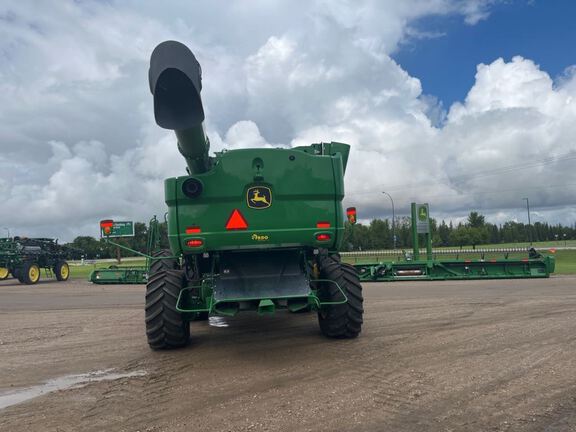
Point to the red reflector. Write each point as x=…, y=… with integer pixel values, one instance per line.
x=195, y=243
x=525, y=260
x=193, y=230
x=322, y=224
x=467, y=261
x=108, y=223
x=322, y=237
x=236, y=221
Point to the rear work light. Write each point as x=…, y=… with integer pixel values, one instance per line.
x=322, y=224
x=193, y=230
x=323, y=237
x=194, y=243
x=192, y=188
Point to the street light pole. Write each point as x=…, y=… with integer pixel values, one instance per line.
x=529, y=226
x=393, y=220
x=7, y=231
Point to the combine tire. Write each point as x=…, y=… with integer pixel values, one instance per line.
x=340, y=320
x=30, y=273
x=62, y=271
x=4, y=273
x=165, y=327
x=163, y=264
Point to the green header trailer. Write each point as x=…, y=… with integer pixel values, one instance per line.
x=115, y=274
x=249, y=230
x=24, y=258
x=474, y=264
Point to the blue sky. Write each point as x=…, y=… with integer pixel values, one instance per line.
x=543, y=31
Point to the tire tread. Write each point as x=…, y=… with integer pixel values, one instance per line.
x=166, y=328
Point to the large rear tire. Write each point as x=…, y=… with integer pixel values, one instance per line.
x=340, y=320
x=62, y=271
x=166, y=328
x=158, y=265
x=30, y=273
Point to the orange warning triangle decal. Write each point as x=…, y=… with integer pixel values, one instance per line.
x=236, y=221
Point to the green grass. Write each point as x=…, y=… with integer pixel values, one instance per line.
x=83, y=271
x=566, y=262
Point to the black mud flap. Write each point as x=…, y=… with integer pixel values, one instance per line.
x=261, y=275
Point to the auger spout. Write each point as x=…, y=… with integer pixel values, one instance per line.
x=175, y=79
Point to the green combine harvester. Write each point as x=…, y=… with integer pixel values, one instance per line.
x=249, y=230
x=24, y=258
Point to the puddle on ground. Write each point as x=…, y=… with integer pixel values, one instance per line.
x=216, y=321
x=69, y=381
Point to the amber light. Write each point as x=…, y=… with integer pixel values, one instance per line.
x=193, y=230
x=322, y=224
x=323, y=237
x=194, y=243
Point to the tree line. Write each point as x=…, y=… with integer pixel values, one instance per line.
x=90, y=248
x=475, y=231
x=376, y=235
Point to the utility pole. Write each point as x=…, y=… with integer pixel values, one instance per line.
x=8, y=231
x=529, y=225
x=393, y=220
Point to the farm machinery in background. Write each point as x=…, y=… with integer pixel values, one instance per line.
x=410, y=266
x=115, y=274
x=25, y=258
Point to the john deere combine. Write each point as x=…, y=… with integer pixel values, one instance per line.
x=249, y=230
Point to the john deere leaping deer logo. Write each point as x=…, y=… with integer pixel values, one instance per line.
x=259, y=197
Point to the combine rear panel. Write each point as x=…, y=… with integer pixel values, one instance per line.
x=268, y=198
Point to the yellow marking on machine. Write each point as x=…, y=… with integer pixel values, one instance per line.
x=259, y=197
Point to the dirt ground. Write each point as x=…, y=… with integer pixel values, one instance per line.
x=433, y=356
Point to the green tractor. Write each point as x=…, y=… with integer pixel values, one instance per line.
x=249, y=230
